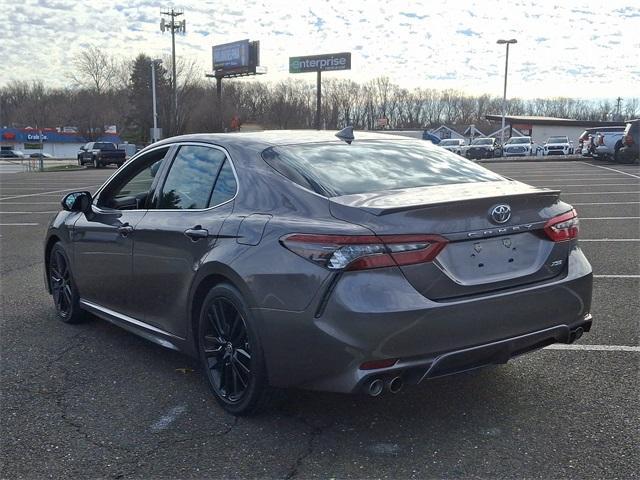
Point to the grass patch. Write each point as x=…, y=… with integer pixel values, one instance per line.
x=62, y=168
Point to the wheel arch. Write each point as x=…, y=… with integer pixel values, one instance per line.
x=208, y=276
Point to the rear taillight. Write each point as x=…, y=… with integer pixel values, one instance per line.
x=563, y=227
x=361, y=252
x=628, y=139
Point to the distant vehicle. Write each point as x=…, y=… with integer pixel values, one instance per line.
x=431, y=137
x=11, y=154
x=586, y=144
x=520, y=147
x=41, y=155
x=129, y=148
x=100, y=154
x=560, y=145
x=484, y=148
x=630, y=150
x=608, y=141
x=455, y=145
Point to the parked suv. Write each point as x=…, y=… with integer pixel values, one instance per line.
x=519, y=147
x=560, y=145
x=11, y=154
x=630, y=150
x=484, y=148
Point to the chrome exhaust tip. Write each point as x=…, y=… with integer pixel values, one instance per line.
x=375, y=387
x=395, y=384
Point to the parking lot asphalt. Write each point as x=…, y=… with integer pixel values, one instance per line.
x=93, y=401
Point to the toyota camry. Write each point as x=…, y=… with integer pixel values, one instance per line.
x=349, y=262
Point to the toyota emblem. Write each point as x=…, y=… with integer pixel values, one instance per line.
x=500, y=213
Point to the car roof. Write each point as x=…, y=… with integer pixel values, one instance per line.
x=268, y=138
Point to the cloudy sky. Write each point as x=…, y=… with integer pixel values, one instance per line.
x=565, y=47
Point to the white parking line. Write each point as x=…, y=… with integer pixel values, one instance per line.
x=30, y=203
x=18, y=224
x=609, y=218
x=163, y=422
x=591, y=193
x=25, y=213
x=612, y=169
x=616, y=276
x=592, y=348
x=592, y=185
x=50, y=192
x=607, y=203
x=609, y=240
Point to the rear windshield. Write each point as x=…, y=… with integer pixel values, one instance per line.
x=104, y=146
x=557, y=140
x=446, y=143
x=483, y=141
x=512, y=141
x=334, y=169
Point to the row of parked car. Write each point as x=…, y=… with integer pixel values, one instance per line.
x=620, y=144
x=21, y=154
x=489, y=147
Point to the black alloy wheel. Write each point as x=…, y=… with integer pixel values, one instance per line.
x=65, y=296
x=230, y=352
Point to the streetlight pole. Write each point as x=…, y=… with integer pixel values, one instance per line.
x=504, y=95
x=154, y=137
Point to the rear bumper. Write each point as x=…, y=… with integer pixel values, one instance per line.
x=379, y=315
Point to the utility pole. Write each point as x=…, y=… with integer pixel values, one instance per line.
x=174, y=26
x=504, y=95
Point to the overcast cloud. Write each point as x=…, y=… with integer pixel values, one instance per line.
x=565, y=48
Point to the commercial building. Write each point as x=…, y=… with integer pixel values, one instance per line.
x=541, y=128
x=56, y=142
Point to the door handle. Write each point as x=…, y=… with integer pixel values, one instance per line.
x=196, y=233
x=125, y=230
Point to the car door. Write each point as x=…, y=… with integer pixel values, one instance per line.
x=175, y=235
x=102, y=240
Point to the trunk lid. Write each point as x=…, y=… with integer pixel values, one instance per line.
x=482, y=255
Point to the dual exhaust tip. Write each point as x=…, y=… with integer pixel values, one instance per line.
x=377, y=385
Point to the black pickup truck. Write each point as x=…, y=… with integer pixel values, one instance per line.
x=100, y=154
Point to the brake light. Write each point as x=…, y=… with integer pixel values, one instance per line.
x=376, y=364
x=563, y=227
x=628, y=139
x=362, y=252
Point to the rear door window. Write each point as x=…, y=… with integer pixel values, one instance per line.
x=337, y=168
x=191, y=178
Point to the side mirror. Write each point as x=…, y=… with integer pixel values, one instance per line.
x=77, y=202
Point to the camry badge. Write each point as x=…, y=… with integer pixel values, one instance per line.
x=500, y=213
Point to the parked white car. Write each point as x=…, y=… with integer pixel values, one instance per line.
x=560, y=145
x=455, y=145
x=520, y=147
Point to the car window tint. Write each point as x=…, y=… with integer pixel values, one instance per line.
x=135, y=181
x=334, y=169
x=191, y=178
x=225, y=187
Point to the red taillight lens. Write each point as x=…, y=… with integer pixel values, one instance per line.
x=361, y=252
x=563, y=227
x=628, y=139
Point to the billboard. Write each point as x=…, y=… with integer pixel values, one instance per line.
x=231, y=56
x=320, y=63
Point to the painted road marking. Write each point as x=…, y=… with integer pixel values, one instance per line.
x=25, y=213
x=608, y=218
x=592, y=348
x=607, y=203
x=50, y=192
x=609, y=240
x=616, y=276
x=588, y=193
x=612, y=169
x=592, y=185
x=166, y=420
x=18, y=224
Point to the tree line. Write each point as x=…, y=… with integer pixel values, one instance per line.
x=104, y=90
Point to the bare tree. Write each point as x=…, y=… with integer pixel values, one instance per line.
x=94, y=69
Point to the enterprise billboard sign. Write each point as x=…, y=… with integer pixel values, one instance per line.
x=320, y=63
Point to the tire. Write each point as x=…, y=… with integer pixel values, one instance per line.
x=96, y=163
x=230, y=353
x=63, y=289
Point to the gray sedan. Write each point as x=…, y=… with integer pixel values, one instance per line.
x=348, y=263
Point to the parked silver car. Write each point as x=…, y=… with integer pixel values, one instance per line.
x=298, y=259
x=455, y=145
